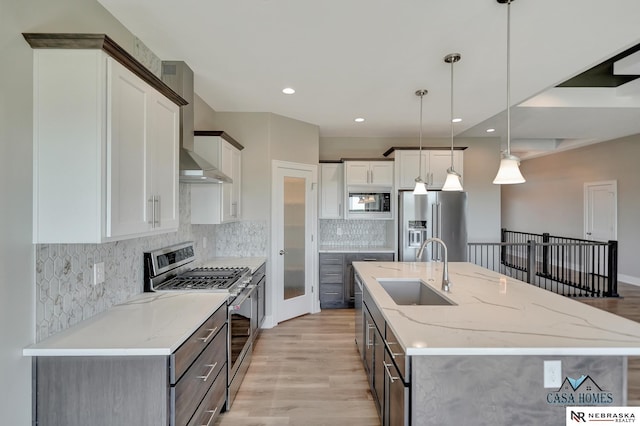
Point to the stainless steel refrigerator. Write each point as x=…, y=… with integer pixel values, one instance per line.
x=440, y=214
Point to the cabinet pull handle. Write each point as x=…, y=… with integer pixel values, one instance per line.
x=331, y=292
x=153, y=211
x=386, y=367
x=388, y=345
x=213, y=414
x=156, y=214
x=211, y=368
x=369, y=259
x=206, y=339
x=369, y=327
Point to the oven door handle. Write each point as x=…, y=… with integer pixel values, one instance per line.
x=249, y=290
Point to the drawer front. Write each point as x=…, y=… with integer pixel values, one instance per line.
x=195, y=383
x=331, y=293
x=376, y=315
x=396, y=353
x=370, y=257
x=331, y=274
x=195, y=344
x=213, y=402
x=331, y=259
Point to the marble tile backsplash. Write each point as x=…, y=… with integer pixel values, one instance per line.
x=64, y=272
x=350, y=233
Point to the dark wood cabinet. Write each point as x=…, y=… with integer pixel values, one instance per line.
x=184, y=388
x=337, y=283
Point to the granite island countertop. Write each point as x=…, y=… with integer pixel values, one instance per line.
x=494, y=318
x=147, y=324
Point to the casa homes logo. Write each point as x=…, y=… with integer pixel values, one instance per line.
x=580, y=415
x=581, y=391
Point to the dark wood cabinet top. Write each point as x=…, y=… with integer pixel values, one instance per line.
x=105, y=43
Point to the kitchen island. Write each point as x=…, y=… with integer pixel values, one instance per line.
x=481, y=358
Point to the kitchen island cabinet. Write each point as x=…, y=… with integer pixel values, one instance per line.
x=105, y=143
x=481, y=359
x=158, y=359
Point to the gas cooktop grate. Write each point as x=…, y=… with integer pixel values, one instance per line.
x=204, y=279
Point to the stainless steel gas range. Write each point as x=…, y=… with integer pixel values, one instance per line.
x=170, y=269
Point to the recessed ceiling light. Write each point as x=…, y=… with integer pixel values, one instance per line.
x=359, y=120
x=491, y=130
x=456, y=120
x=288, y=91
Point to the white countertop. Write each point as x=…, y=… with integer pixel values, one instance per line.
x=354, y=249
x=493, y=319
x=148, y=324
x=232, y=262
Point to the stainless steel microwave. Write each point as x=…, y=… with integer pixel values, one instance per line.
x=367, y=202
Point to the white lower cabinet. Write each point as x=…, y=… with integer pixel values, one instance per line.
x=218, y=203
x=105, y=151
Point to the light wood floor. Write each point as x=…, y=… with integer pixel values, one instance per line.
x=306, y=371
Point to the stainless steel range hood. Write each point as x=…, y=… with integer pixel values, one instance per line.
x=193, y=168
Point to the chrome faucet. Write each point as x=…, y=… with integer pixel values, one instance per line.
x=446, y=284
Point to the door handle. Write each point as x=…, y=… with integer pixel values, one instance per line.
x=281, y=252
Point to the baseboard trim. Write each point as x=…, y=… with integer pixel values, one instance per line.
x=628, y=279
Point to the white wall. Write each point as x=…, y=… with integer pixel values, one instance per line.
x=552, y=198
x=481, y=161
x=17, y=294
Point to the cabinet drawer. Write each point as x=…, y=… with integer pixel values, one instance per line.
x=195, y=383
x=331, y=259
x=396, y=353
x=195, y=344
x=331, y=293
x=331, y=274
x=213, y=402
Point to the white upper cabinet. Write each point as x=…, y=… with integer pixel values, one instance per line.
x=218, y=203
x=434, y=167
x=331, y=191
x=105, y=151
x=369, y=173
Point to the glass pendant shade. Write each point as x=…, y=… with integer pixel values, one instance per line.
x=509, y=171
x=453, y=181
x=420, y=188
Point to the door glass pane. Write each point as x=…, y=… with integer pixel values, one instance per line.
x=294, y=235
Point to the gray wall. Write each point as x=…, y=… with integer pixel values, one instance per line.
x=552, y=198
x=481, y=161
x=17, y=289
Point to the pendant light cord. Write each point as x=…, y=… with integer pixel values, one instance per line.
x=508, y=77
x=452, y=62
x=420, y=150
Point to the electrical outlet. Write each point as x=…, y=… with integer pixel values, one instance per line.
x=552, y=374
x=98, y=273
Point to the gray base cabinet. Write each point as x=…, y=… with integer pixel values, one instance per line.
x=387, y=367
x=188, y=387
x=337, y=283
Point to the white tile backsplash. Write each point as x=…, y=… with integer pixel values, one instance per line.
x=355, y=233
x=65, y=294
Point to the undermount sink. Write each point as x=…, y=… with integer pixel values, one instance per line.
x=412, y=292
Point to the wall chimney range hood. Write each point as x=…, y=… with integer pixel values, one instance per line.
x=193, y=168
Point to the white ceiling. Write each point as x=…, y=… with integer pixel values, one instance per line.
x=366, y=58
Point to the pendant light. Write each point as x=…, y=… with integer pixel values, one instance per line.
x=421, y=187
x=452, y=183
x=509, y=171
